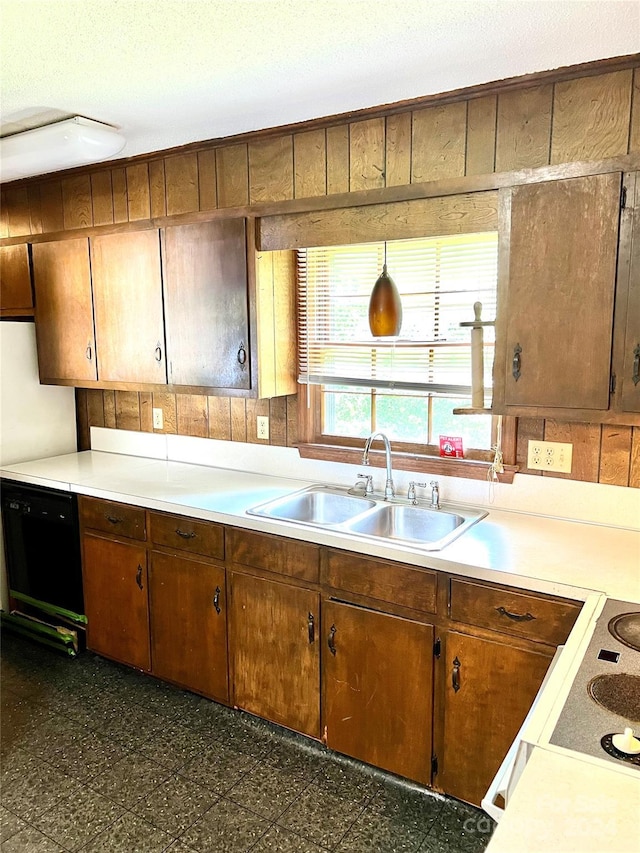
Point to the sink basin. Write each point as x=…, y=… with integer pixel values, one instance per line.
x=398, y=521
x=316, y=506
x=365, y=517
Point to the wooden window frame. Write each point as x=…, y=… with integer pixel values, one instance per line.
x=419, y=458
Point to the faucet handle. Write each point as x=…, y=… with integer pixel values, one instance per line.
x=368, y=489
x=411, y=491
x=435, y=494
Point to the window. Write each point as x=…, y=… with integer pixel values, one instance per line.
x=406, y=387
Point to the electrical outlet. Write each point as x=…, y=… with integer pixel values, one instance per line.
x=550, y=456
x=263, y=427
x=157, y=419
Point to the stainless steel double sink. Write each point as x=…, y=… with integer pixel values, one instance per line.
x=366, y=516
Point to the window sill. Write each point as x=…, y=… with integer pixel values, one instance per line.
x=472, y=469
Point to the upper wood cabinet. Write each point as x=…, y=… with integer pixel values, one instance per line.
x=16, y=297
x=206, y=304
x=557, y=298
x=64, y=311
x=626, y=355
x=127, y=295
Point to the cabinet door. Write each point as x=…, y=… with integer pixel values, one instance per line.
x=64, y=311
x=275, y=652
x=127, y=292
x=628, y=373
x=489, y=689
x=16, y=298
x=377, y=678
x=189, y=624
x=114, y=576
x=207, y=321
x=557, y=304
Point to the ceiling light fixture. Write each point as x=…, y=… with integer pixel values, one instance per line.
x=385, y=307
x=64, y=144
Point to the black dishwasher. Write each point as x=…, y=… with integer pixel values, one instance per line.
x=44, y=570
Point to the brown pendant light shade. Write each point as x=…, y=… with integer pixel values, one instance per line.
x=385, y=308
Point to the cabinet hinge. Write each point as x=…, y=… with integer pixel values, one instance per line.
x=437, y=648
x=612, y=384
x=623, y=198
x=434, y=765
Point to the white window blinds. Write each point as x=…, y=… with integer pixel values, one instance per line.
x=439, y=280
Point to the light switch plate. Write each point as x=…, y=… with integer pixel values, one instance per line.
x=158, y=421
x=263, y=427
x=550, y=456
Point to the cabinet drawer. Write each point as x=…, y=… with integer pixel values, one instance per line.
x=392, y=582
x=112, y=517
x=517, y=613
x=273, y=553
x=198, y=537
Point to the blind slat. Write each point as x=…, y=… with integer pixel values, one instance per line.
x=439, y=280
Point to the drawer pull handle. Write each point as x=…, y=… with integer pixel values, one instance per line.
x=311, y=627
x=331, y=642
x=455, y=675
x=158, y=353
x=517, y=617
x=636, y=365
x=184, y=534
x=89, y=352
x=113, y=519
x=516, y=364
x=139, y=576
x=242, y=355
x=216, y=600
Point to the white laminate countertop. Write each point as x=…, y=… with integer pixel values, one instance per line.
x=562, y=802
x=534, y=552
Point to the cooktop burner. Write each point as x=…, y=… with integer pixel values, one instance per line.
x=604, y=698
x=626, y=628
x=619, y=692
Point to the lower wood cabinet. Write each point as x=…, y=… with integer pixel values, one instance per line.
x=187, y=602
x=379, y=675
x=115, y=596
x=489, y=688
x=275, y=655
x=377, y=685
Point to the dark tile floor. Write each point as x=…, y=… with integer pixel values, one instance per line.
x=99, y=758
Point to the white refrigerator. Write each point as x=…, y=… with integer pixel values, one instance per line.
x=36, y=420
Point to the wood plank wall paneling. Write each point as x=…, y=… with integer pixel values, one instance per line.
x=481, y=135
x=439, y=142
x=524, y=128
x=634, y=132
x=398, y=150
x=232, y=172
x=367, y=154
x=310, y=164
x=589, y=117
x=138, y=197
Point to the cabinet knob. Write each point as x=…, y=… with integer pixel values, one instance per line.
x=242, y=355
x=139, y=576
x=516, y=364
x=89, y=352
x=216, y=600
x=185, y=534
x=158, y=353
x=636, y=365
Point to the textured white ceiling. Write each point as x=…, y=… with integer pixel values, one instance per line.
x=169, y=72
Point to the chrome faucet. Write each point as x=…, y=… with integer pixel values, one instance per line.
x=389, y=491
x=435, y=494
